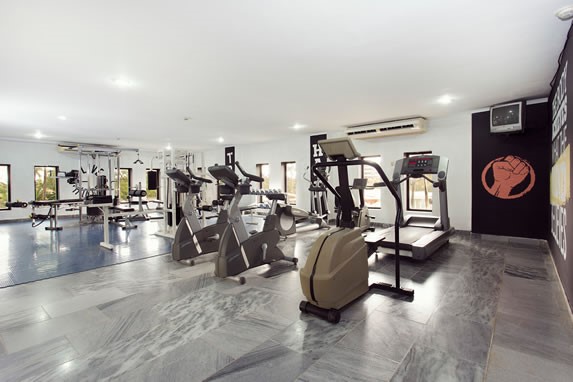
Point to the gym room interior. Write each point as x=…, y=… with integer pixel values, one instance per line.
x=285, y=190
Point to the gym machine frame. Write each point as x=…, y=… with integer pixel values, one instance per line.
x=344, y=220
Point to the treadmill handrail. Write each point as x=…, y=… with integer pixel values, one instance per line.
x=251, y=177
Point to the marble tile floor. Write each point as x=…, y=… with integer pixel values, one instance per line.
x=483, y=310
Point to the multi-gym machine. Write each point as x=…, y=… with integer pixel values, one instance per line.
x=239, y=251
x=336, y=270
x=191, y=238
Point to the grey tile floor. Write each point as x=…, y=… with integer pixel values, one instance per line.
x=483, y=310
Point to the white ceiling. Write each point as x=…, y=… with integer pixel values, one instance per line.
x=247, y=70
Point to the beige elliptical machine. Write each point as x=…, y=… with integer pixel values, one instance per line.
x=336, y=271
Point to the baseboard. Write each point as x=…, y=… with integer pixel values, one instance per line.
x=513, y=240
x=560, y=282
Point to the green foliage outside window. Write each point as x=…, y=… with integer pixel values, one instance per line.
x=45, y=183
x=290, y=178
x=4, y=185
x=124, y=184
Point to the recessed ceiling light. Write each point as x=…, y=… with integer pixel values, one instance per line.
x=220, y=140
x=565, y=13
x=298, y=126
x=38, y=135
x=62, y=117
x=122, y=82
x=445, y=99
x=168, y=147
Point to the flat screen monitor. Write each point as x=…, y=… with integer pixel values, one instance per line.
x=507, y=118
x=339, y=147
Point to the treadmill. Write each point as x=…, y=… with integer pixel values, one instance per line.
x=421, y=235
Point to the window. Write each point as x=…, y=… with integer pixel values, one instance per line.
x=264, y=171
x=46, y=183
x=372, y=196
x=289, y=181
x=124, y=183
x=153, y=194
x=4, y=186
x=419, y=190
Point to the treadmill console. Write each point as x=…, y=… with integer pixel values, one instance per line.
x=426, y=164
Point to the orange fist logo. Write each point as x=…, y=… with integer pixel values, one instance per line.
x=512, y=176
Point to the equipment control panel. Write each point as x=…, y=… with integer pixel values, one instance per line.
x=427, y=164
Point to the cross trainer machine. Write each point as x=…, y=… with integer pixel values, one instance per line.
x=422, y=235
x=318, y=199
x=191, y=239
x=239, y=251
x=360, y=213
x=336, y=271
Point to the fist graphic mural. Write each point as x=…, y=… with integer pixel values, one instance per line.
x=512, y=176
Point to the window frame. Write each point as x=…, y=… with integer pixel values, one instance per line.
x=409, y=154
x=57, y=169
x=129, y=178
x=362, y=176
x=284, y=166
x=9, y=196
x=259, y=167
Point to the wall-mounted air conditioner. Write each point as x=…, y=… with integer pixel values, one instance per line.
x=373, y=130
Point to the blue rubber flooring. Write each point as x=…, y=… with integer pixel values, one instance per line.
x=29, y=254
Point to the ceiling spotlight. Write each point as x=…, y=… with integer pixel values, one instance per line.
x=445, y=99
x=168, y=147
x=298, y=126
x=38, y=135
x=122, y=82
x=62, y=117
x=565, y=13
x=220, y=140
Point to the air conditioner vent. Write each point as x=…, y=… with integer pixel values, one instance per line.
x=373, y=130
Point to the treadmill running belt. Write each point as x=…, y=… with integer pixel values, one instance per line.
x=408, y=235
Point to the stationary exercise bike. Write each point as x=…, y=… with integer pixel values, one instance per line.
x=192, y=239
x=239, y=251
x=336, y=271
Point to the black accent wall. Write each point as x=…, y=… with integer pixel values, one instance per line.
x=515, y=170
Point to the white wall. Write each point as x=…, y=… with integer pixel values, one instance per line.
x=23, y=156
x=449, y=136
x=274, y=153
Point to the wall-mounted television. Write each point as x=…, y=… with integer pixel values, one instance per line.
x=507, y=118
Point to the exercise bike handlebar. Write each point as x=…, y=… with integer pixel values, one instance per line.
x=251, y=177
x=200, y=179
